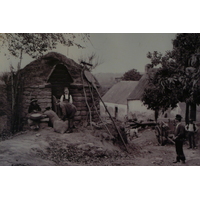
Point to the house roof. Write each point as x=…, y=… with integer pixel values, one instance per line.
x=143, y=83
x=40, y=69
x=119, y=92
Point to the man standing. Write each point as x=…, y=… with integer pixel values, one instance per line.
x=179, y=139
x=191, y=128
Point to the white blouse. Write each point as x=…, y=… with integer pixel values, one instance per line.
x=66, y=97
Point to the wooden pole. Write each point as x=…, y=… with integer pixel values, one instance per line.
x=111, y=117
x=90, y=78
x=97, y=111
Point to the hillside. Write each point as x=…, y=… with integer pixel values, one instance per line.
x=107, y=80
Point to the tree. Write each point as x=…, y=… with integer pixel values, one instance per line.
x=178, y=78
x=35, y=44
x=131, y=75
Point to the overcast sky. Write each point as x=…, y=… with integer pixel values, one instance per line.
x=118, y=52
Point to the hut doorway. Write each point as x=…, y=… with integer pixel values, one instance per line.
x=59, y=79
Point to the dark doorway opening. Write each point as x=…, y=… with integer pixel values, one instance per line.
x=59, y=79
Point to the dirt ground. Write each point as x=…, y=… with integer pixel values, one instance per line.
x=85, y=147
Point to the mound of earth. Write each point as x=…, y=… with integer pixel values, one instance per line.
x=87, y=147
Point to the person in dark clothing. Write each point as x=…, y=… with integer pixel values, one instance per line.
x=179, y=139
x=68, y=109
x=33, y=109
x=191, y=129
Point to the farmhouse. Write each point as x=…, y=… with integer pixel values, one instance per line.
x=45, y=80
x=136, y=106
x=116, y=99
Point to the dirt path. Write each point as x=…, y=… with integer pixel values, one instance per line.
x=83, y=147
x=151, y=154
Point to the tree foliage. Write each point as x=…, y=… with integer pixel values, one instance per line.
x=132, y=75
x=35, y=44
x=185, y=45
x=178, y=78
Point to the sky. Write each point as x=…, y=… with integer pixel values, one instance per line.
x=116, y=52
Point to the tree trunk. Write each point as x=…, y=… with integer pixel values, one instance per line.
x=20, y=60
x=156, y=113
x=193, y=111
x=187, y=113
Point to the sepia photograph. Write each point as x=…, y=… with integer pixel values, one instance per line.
x=99, y=99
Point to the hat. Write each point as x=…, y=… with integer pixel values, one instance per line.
x=33, y=100
x=178, y=117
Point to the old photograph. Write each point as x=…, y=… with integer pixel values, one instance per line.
x=99, y=99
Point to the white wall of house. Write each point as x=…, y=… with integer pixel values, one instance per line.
x=137, y=109
x=170, y=114
x=116, y=110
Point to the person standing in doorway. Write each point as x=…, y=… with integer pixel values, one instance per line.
x=68, y=109
x=191, y=129
x=66, y=96
x=179, y=138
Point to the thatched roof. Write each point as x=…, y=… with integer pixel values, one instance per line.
x=38, y=71
x=142, y=84
x=119, y=92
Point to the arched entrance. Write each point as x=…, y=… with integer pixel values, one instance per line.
x=59, y=79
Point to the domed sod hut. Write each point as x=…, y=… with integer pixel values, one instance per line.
x=46, y=78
